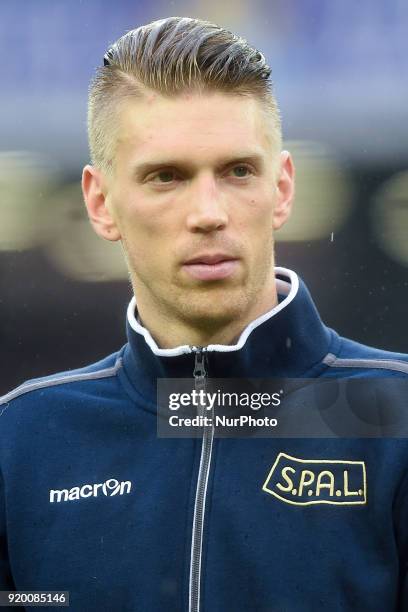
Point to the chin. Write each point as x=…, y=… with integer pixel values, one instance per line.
x=215, y=311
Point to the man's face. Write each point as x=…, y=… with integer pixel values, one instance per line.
x=193, y=197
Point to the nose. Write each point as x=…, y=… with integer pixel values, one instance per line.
x=207, y=211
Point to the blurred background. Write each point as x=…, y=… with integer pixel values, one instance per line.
x=340, y=70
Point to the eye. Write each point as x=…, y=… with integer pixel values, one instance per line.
x=164, y=176
x=241, y=171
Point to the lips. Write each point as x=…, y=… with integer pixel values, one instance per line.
x=208, y=267
x=209, y=259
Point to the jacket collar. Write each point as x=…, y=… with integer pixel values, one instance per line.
x=287, y=341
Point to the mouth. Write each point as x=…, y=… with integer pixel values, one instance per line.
x=211, y=266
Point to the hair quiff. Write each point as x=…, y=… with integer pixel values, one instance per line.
x=171, y=56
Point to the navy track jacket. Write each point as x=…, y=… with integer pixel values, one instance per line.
x=94, y=503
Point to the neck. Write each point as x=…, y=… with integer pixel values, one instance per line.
x=170, y=332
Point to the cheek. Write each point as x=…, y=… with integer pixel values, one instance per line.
x=148, y=240
x=137, y=220
x=257, y=215
x=260, y=223
x=262, y=200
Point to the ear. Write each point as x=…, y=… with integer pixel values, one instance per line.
x=94, y=189
x=285, y=190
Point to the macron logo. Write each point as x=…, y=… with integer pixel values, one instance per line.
x=109, y=488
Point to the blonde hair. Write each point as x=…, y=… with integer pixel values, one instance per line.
x=171, y=56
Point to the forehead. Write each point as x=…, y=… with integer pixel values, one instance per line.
x=192, y=125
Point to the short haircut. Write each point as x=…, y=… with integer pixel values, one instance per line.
x=171, y=56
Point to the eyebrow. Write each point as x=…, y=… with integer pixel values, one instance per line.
x=139, y=171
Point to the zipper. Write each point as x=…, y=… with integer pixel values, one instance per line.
x=200, y=376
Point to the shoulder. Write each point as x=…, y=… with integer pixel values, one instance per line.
x=65, y=382
x=359, y=359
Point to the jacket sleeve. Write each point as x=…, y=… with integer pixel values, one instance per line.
x=6, y=580
x=401, y=531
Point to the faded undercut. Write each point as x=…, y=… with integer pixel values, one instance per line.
x=172, y=56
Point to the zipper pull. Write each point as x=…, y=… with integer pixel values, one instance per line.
x=199, y=367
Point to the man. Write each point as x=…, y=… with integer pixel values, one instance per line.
x=188, y=173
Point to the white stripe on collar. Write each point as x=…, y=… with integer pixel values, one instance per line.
x=288, y=288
